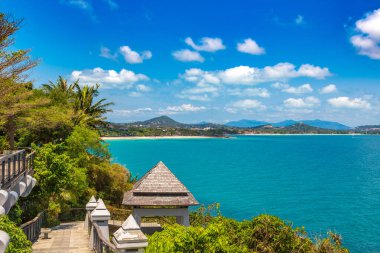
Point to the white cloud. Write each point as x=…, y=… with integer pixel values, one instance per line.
x=106, y=53
x=331, y=88
x=353, y=103
x=299, y=20
x=181, y=109
x=134, y=57
x=245, y=105
x=143, y=88
x=367, y=39
x=108, y=79
x=249, y=92
x=208, y=84
x=250, y=46
x=308, y=102
x=187, y=55
x=252, y=75
x=206, y=44
x=313, y=71
x=305, y=88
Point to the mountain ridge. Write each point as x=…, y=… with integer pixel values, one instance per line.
x=314, y=123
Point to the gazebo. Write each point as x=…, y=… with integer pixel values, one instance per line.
x=160, y=193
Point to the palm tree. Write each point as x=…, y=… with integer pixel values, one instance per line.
x=61, y=92
x=88, y=111
x=61, y=85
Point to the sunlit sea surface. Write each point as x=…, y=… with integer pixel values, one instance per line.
x=320, y=182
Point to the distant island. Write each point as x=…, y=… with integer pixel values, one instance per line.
x=166, y=126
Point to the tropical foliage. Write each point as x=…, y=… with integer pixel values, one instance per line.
x=264, y=234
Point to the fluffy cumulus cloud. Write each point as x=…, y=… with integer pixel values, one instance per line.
x=184, y=108
x=134, y=57
x=206, y=44
x=245, y=105
x=250, y=46
x=367, y=38
x=245, y=75
x=249, y=92
x=302, y=89
x=352, y=103
x=308, y=102
x=208, y=84
x=108, y=79
x=331, y=88
x=186, y=55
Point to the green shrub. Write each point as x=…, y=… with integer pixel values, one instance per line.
x=18, y=241
x=264, y=234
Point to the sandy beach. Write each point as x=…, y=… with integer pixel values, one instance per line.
x=154, y=137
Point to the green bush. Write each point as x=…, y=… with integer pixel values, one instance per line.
x=18, y=241
x=264, y=234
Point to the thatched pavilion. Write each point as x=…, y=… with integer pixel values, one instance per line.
x=160, y=193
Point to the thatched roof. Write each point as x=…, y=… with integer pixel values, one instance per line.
x=159, y=187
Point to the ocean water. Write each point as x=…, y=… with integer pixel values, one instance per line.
x=320, y=182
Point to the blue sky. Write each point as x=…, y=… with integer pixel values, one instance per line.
x=212, y=60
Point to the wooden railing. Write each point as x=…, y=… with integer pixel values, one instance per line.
x=32, y=228
x=13, y=165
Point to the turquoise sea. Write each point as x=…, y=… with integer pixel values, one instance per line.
x=320, y=182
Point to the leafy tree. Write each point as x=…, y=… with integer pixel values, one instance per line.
x=85, y=145
x=60, y=181
x=16, y=105
x=110, y=181
x=13, y=64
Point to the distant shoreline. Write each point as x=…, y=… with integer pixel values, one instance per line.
x=297, y=134
x=106, y=138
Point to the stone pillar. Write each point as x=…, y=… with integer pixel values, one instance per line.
x=129, y=238
x=136, y=216
x=90, y=206
x=186, y=221
x=20, y=188
x=4, y=241
x=30, y=183
x=100, y=215
x=12, y=199
x=3, y=197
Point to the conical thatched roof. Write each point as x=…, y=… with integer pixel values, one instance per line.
x=159, y=187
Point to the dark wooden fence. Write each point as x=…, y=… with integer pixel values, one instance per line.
x=15, y=164
x=32, y=228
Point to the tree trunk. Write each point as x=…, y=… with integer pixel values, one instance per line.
x=10, y=128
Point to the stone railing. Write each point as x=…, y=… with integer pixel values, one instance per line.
x=128, y=238
x=16, y=170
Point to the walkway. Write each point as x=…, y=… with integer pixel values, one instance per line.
x=66, y=238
